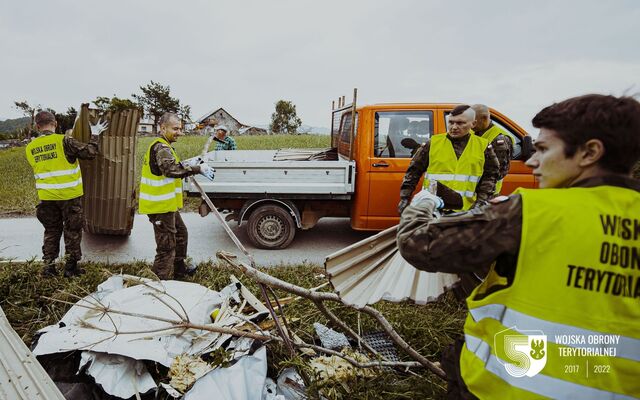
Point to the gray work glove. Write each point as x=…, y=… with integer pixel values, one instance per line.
x=404, y=202
x=207, y=171
x=424, y=195
x=98, y=128
x=192, y=162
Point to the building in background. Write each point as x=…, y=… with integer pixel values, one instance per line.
x=222, y=117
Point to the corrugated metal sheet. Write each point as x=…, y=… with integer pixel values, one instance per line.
x=109, y=180
x=21, y=375
x=373, y=270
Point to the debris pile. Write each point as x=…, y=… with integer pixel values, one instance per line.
x=137, y=337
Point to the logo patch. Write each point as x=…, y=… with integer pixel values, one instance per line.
x=521, y=354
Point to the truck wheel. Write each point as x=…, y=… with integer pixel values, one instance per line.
x=271, y=227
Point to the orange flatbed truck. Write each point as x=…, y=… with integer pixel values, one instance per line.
x=277, y=192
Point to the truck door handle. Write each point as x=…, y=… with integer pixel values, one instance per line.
x=380, y=164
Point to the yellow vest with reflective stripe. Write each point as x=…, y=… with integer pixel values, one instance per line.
x=158, y=193
x=460, y=174
x=56, y=178
x=577, y=281
x=491, y=134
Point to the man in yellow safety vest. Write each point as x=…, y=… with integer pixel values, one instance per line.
x=497, y=137
x=458, y=159
x=161, y=198
x=54, y=159
x=558, y=315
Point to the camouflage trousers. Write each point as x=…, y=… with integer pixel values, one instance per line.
x=61, y=217
x=171, y=244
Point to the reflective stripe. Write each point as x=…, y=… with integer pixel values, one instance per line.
x=452, y=177
x=466, y=193
x=160, y=197
x=178, y=190
x=57, y=173
x=625, y=348
x=539, y=384
x=157, y=182
x=59, y=185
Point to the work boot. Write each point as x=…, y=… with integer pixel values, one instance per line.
x=49, y=269
x=71, y=269
x=182, y=269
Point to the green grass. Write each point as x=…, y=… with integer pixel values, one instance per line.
x=17, y=186
x=427, y=328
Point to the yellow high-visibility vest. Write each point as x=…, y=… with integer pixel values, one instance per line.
x=569, y=324
x=158, y=193
x=56, y=178
x=491, y=134
x=460, y=174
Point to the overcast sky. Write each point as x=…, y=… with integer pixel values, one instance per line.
x=516, y=56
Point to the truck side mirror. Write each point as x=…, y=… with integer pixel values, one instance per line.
x=527, y=148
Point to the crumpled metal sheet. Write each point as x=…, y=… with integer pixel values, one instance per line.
x=373, y=269
x=118, y=375
x=84, y=328
x=21, y=375
x=244, y=380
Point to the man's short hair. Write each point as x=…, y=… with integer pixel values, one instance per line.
x=45, y=118
x=615, y=121
x=166, y=117
x=459, y=109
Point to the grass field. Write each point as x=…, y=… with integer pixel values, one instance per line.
x=427, y=328
x=17, y=187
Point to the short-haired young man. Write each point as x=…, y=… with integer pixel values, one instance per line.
x=54, y=159
x=567, y=264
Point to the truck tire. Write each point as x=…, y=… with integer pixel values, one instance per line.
x=271, y=227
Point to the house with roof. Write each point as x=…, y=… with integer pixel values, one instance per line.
x=222, y=117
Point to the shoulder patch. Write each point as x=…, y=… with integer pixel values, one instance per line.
x=499, y=199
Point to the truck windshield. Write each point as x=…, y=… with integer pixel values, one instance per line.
x=393, y=127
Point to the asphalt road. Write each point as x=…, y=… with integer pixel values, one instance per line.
x=21, y=239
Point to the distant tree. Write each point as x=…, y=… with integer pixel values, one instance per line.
x=65, y=120
x=285, y=119
x=156, y=100
x=115, y=104
x=185, y=113
x=28, y=111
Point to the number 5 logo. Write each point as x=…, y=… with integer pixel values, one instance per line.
x=522, y=354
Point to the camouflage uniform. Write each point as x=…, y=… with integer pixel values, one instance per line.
x=468, y=243
x=420, y=163
x=65, y=217
x=636, y=170
x=170, y=231
x=504, y=150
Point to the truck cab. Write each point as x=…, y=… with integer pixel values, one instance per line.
x=382, y=155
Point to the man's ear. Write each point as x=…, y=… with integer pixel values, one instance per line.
x=592, y=152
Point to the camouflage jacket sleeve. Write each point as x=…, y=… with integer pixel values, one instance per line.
x=415, y=172
x=75, y=149
x=168, y=166
x=504, y=150
x=487, y=184
x=636, y=170
x=460, y=242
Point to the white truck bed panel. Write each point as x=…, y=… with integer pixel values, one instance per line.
x=254, y=171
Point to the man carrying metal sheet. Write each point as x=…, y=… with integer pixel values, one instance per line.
x=161, y=198
x=54, y=159
x=566, y=264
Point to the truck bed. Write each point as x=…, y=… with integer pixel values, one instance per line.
x=254, y=172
